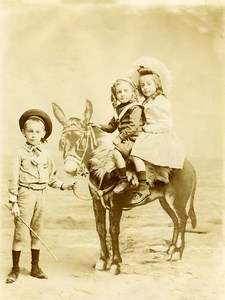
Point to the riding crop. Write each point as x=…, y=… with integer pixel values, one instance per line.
x=37, y=236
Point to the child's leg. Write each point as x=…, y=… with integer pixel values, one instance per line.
x=139, y=164
x=141, y=173
x=37, y=224
x=142, y=190
x=17, y=245
x=16, y=251
x=143, y=185
x=35, y=252
x=120, y=162
x=121, y=165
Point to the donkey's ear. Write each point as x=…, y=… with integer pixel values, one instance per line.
x=59, y=114
x=88, y=112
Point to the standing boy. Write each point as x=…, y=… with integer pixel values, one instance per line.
x=32, y=170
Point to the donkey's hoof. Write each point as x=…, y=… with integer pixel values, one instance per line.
x=171, y=249
x=114, y=269
x=101, y=265
x=175, y=253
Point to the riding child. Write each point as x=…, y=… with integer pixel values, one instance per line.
x=32, y=170
x=128, y=119
x=158, y=143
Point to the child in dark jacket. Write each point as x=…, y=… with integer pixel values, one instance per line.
x=128, y=119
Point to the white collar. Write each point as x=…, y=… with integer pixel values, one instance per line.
x=30, y=148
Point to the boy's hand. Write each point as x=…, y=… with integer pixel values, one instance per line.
x=15, y=210
x=66, y=186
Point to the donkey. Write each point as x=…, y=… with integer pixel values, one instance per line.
x=81, y=141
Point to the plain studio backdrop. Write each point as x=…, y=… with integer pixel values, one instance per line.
x=70, y=51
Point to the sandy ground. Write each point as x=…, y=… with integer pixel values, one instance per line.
x=146, y=272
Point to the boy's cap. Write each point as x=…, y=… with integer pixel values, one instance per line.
x=40, y=114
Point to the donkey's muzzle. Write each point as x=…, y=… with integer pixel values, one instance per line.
x=71, y=165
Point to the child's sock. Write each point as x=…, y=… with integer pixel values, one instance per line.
x=35, y=258
x=122, y=173
x=35, y=270
x=15, y=259
x=142, y=179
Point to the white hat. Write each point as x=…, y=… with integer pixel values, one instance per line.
x=156, y=66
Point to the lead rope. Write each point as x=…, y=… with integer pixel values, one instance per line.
x=93, y=142
x=100, y=193
x=97, y=190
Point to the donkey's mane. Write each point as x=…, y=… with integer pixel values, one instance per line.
x=102, y=162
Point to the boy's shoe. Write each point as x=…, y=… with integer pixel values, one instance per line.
x=121, y=186
x=139, y=195
x=13, y=275
x=38, y=273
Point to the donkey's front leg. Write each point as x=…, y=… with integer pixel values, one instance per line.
x=100, y=214
x=115, y=214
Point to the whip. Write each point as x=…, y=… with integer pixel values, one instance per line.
x=37, y=236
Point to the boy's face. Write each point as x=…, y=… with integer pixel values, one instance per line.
x=124, y=92
x=34, y=131
x=147, y=85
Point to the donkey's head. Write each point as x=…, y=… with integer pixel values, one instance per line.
x=77, y=135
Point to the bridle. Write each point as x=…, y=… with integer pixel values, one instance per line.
x=87, y=133
x=92, y=142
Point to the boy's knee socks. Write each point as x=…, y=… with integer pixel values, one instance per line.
x=15, y=258
x=34, y=257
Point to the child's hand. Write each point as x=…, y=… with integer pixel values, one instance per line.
x=15, y=210
x=116, y=140
x=144, y=128
x=103, y=127
x=66, y=186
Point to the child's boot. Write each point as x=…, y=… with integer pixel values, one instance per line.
x=123, y=182
x=35, y=269
x=13, y=275
x=142, y=190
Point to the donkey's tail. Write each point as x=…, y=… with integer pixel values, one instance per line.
x=191, y=211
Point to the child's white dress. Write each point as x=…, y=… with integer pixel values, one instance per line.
x=159, y=144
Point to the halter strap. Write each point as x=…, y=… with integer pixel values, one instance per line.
x=101, y=192
x=90, y=136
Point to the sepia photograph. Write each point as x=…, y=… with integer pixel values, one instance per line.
x=112, y=149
